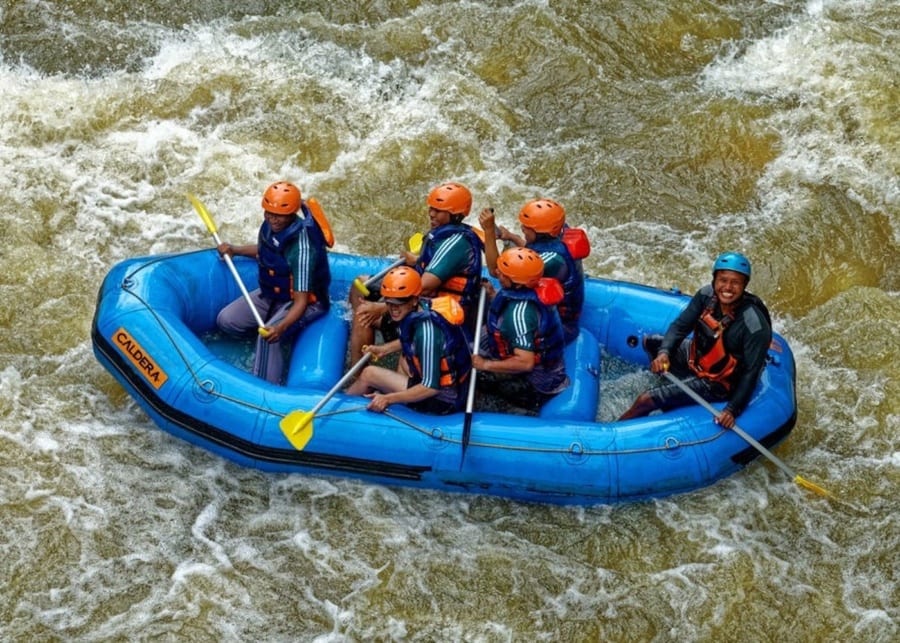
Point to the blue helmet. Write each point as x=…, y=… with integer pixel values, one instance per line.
x=732, y=261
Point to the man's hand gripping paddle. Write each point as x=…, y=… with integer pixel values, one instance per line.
x=211, y=226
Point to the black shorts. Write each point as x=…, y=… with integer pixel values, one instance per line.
x=374, y=292
x=668, y=395
x=432, y=405
x=390, y=330
x=513, y=389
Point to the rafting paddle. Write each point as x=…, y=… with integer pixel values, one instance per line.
x=297, y=425
x=414, y=244
x=211, y=226
x=749, y=438
x=470, y=400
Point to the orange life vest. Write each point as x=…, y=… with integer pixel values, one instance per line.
x=715, y=364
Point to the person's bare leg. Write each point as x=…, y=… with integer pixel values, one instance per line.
x=355, y=297
x=360, y=385
x=642, y=406
x=366, y=317
x=361, y=335
x=377, y=378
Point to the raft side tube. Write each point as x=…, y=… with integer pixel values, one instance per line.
x=620, y=313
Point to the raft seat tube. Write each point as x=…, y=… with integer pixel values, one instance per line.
x=580, y=399
x=317, y=359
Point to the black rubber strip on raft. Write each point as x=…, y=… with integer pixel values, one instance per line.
x=209, y=433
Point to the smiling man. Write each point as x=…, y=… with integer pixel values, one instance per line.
x=449, y=263
x=723, y=359
x=435, y=361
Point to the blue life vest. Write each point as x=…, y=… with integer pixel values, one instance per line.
x=573, y=285
x=456, y=360
x=467, y=285
x=275, y=276
x=549, y=343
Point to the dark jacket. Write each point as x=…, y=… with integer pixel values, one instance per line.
x=747, y=338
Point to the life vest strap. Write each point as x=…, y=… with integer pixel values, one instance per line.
x=716, y=365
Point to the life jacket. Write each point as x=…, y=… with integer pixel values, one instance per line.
x=275, y=277
x=708, y=358
x=573, y=285
x=319, y=215
x=549, y=342
x=466, y=285
x=577, y=242
x=456, y=357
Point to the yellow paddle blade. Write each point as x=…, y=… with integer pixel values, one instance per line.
x=361, y=287
x=415, y=242
x=297, y=428
x=203, y=212
x=806, y=484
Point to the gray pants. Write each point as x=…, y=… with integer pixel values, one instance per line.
x=237, y=319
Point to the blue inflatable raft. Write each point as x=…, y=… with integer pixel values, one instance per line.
x=153, y=330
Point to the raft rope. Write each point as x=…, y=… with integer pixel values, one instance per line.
x=205, y=385
x=575, y=448
x=435, y=433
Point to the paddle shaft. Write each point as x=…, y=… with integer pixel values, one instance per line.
x=374, y=278
x=211, y=226
x=340, y=384
x=746, y=436
x=414, y=243
x=240, y=283
x=470, y=399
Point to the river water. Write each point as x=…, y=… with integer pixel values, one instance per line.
x=670, y=130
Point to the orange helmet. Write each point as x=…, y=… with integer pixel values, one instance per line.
x=543, y=215
x=401, y=283
x=281, y=198
x=522, y=266
x=454, y=198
